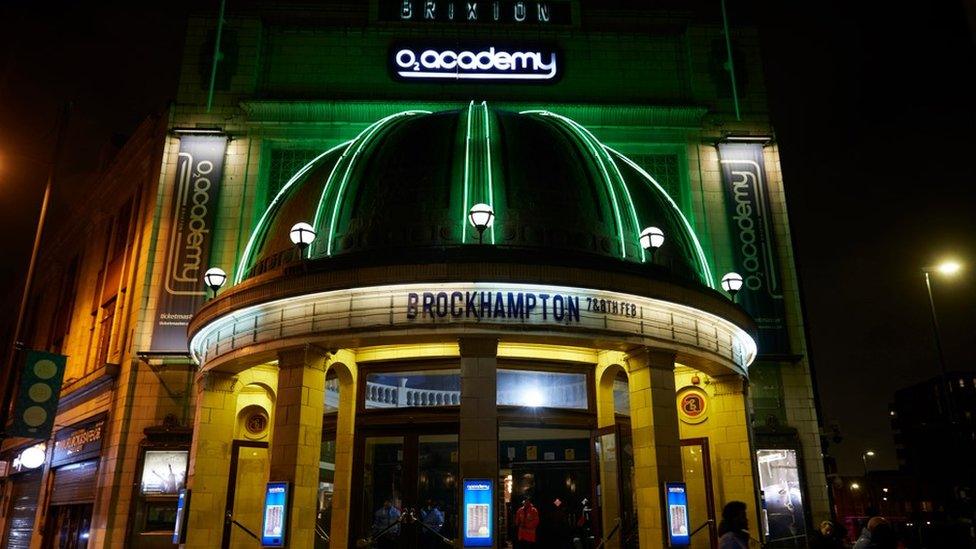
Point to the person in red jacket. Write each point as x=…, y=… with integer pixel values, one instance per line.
x=526, y=521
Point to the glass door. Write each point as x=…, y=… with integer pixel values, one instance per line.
x=409, y=490
x=614, y=477
x=245, y=493
x=697, y=474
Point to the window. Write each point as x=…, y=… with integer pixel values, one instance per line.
x=331, y=393
x=284, y=164
x=536, y=389
x=424, y=388
x=121, y=237
x=66, y=305
x=105, y=333
x=621, y=396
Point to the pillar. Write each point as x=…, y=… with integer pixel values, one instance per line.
x=657, y=445
x=210, y=455
x=478, y=437
x=344, y=363
x=732, y=454
x=297, y=437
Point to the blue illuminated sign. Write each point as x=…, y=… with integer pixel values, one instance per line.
x=676, y=496
x=479, y=498
x=275, y=524
x=182, y=510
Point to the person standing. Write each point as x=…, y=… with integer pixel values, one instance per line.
x=734, y=529
x=386, y=525
x=526, y=523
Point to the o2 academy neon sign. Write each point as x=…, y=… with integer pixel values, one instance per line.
x=540, y=64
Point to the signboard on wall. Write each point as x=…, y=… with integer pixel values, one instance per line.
x=275, y=525
x=199, y=170
x=486, y=12
x=676, y=496
x=482, y=62
x=753, y=241
x=478, y=500
x=78, y=442
x=37, y=399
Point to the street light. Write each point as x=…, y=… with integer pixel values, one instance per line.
x=946, y=268
x=214, y=278
x=481, y=217
x=302, y=234
x=732, y=283
x=864, y=460
x=651, y=239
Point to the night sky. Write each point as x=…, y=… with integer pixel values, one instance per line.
x=875, y=118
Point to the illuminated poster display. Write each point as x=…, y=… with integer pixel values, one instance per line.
x=779, y=480
x=676, y=495
x=275, y=523
x=164, y=472
x=479, y=497
x=182, y=511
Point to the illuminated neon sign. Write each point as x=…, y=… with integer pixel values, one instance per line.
x=540, y=64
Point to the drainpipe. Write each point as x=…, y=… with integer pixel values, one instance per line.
x=217, y=55
x=729, y=65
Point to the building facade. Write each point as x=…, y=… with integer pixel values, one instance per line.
x=406, y=360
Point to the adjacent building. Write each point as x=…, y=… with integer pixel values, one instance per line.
x=479, y=309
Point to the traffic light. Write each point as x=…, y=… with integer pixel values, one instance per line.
x=37, y=399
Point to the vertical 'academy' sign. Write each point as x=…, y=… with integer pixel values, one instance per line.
x=753, y=242
x=199, y=170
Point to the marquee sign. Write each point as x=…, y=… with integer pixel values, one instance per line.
x=505, y=12
x=411, y=62
x=466, y=305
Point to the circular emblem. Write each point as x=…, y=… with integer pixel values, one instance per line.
x=256, y=423
x=692, y=405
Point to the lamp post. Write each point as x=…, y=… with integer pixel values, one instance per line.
x=302, y=235
x=947, y=268
x=651, y=239
x=864, y=460
x=867, y=482
x=481, y=217
x=214, y=278
x=732, y=283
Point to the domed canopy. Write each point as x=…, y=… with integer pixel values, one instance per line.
x=408, y=181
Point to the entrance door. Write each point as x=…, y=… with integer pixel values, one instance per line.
x=614, y=471
x=701, y=503
x=411, y=476
x=245, y=493
x=68, y=526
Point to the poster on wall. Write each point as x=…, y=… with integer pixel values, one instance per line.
x=779, y=481
x=199, y=170
x=753, y=241
x=164, y=472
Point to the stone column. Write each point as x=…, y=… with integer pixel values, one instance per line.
x=731, y=449
x=657, y=444
x=344, y=363
x=297, y=437
x=478, y=438
x=210, y=455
